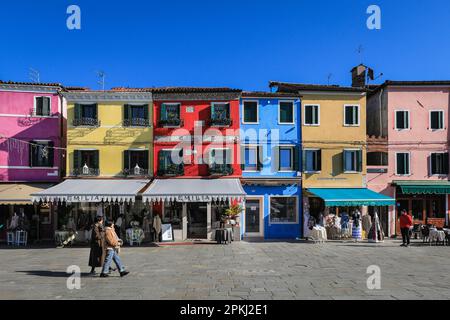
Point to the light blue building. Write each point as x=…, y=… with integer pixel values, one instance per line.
x=271, y=162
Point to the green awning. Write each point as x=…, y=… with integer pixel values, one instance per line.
x=423, y=187
x=351, y=197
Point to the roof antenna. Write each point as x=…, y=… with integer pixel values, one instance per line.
x=101, y=79
x=34, y=75
x=330, y=75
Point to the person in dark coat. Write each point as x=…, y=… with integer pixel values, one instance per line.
x=97, y=254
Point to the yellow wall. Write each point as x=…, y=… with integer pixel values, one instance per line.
x=111, y=138
x=333, y=137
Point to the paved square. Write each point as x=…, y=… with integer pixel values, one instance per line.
x=264, y=270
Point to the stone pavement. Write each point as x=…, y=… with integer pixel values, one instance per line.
x=242, y=270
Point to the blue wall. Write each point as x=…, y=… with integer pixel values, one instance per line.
x=288, y=134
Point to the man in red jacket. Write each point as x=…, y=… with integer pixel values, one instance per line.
x=406, y=223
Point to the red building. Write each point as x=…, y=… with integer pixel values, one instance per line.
x=196, y=144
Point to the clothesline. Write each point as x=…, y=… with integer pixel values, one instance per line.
x=31, y=143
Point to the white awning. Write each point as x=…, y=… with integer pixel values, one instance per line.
x=194, y=190
x=92, y=190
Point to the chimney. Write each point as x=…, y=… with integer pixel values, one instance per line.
x=359, y=76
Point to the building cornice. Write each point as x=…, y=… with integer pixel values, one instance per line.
x=28, y=88
x=108, y=96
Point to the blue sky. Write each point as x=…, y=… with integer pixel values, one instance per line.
x=235, y=43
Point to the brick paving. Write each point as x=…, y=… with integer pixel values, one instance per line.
x=242, y=270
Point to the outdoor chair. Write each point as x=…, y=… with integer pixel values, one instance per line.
x=417, y=231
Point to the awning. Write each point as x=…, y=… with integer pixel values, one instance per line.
x=20, y=193
x=349, y=197
x=423, y=187
x=92, y=190
x=194, y=190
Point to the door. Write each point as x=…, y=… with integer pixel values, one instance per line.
x=254, y=226
x=197, y=220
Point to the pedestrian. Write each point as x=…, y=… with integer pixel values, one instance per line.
x=118, y=225
x=406, y=223
x=112, y=242
x=97, y=254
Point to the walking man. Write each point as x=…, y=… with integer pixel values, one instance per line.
x=406, y=223
x=97, y=253
x=111, y=243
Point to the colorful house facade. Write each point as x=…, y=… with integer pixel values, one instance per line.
x=271, y=165
x=408, y=157
x=196, y=143
x=31, y=135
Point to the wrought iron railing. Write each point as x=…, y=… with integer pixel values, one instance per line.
x=221, y=122
x=135, y=172
x=220, y=169
x=173, y=170
x=136, y=122
x=91, y=122
x=170, y=123
x=85, y=172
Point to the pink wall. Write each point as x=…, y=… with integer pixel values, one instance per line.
x=16, y=121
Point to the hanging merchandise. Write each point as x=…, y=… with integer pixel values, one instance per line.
x=357, y=225
x=375, y=233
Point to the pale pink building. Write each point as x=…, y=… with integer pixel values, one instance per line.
x=407, y=124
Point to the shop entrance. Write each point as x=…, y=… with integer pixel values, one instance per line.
x=197, y=213
x=254, y=226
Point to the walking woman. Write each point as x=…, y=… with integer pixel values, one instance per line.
x=97, y=254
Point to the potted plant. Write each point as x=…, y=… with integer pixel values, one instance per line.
x=231, y=214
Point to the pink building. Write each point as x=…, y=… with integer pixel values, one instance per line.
x=408, y=159
x=31, y=127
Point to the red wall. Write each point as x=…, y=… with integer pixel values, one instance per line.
x=202, y=112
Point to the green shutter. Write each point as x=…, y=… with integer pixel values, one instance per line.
x=51, y=154
x=163, y=115
x=359, y=159
x=146, y=164
x=96, y=163
x=319, y=160
x=45, y=106
x=242, y=156
x=296, y=158
x=76, y=159
x=77, y=111
x=126, y=159
x=31, y=150
x=213, y=115
x=126, y=112
x=304, y=160
x=146, y=107
x=95, y=111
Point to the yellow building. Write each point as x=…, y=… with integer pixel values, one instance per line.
x=109, y=134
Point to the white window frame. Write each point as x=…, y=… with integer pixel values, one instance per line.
x=409, y=164
x=307, y=171
x=395, y=120
x=359, y=115
x=343, y=161
x=35, y=107
x=430, y=164
x=296, y=209
x=429, y=120
x=257, y=111
x=285, y=146
x=318, y=115
x=279, y=112
x=255, y=146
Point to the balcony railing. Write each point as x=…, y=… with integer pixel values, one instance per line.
x=136, y=122
x=220, y=169
x=170, y=123
x=135, y=172
x=220, y=122
x=87, y=172
x=90, y=122
x=173, y=170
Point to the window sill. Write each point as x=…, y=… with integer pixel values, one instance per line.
x=275, y=223
x=352, y=172
x=311, y=125
x=250, y=122
x=408, y=129
x=312, y=172
x=352, y=125
x=286, y=123
x=403, y=175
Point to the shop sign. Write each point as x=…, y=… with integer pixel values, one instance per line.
x=166, y=232
x=90, y=198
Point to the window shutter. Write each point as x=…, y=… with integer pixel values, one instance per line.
x=163, y=115
x=76, y=159
x=348, y=115
x=319, y=160
x=161, y=160
x=356, y=115
x=260, y=158
x=359, y=161
x=126, y=112
x=95, y=111
x=145, y=166
x=77, y=114
x=213, y=115
x=96, y=162
x=242, y=156
x=45, y=106
x=227, y=110
x=433, y=163
x=146, y=107
x=406, y=159
x=344, y=162
x=31, y=151
x=296, y=157
x=126, y=159
x=304, y=160
x=445, y=163
x=276, y=158
x=51, y=154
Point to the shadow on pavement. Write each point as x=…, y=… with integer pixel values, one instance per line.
x=52, y=274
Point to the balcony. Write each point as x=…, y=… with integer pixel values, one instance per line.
x=171, y=171
x=220, y=170
x=85, y=172
x=171, y=123
x=88, y=122
x=136, y=122
x=220, y=122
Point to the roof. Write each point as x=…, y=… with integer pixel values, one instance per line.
x=20, y=193
x=187, y=190
x=437, y=83
x=264, y=94
x=296, y=87
x=423, y=186
x=31, y=83
x=349, y=197
x=92, y=190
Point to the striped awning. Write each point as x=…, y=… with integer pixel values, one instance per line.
x=423, y=187
x=20, y=193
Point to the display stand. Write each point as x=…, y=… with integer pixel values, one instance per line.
x=21, y=238
x=10, y=239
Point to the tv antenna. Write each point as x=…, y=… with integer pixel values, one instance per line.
x=101, y=79
x=34, y=75
x=330, y=75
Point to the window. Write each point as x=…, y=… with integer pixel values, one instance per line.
x=42, y=106
x=401, y=120
x=170, y=114
x=286, y=112
x=41, y=154
x=136, y=115
x=351, y=115
x=352, y=160
x=377, y=158
x=85, y=115
x=436, y=120
x=170, y=162
x=286, y=159
x=312, y=115
x=439, y=163
x=312, y=160
x=250, y=112
x=136, y=162
x=220, y=162
x=173, y=214
x=86, y=162
x=402, y=164
x=283, y=209
x=251, y=158
x=220, y=114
